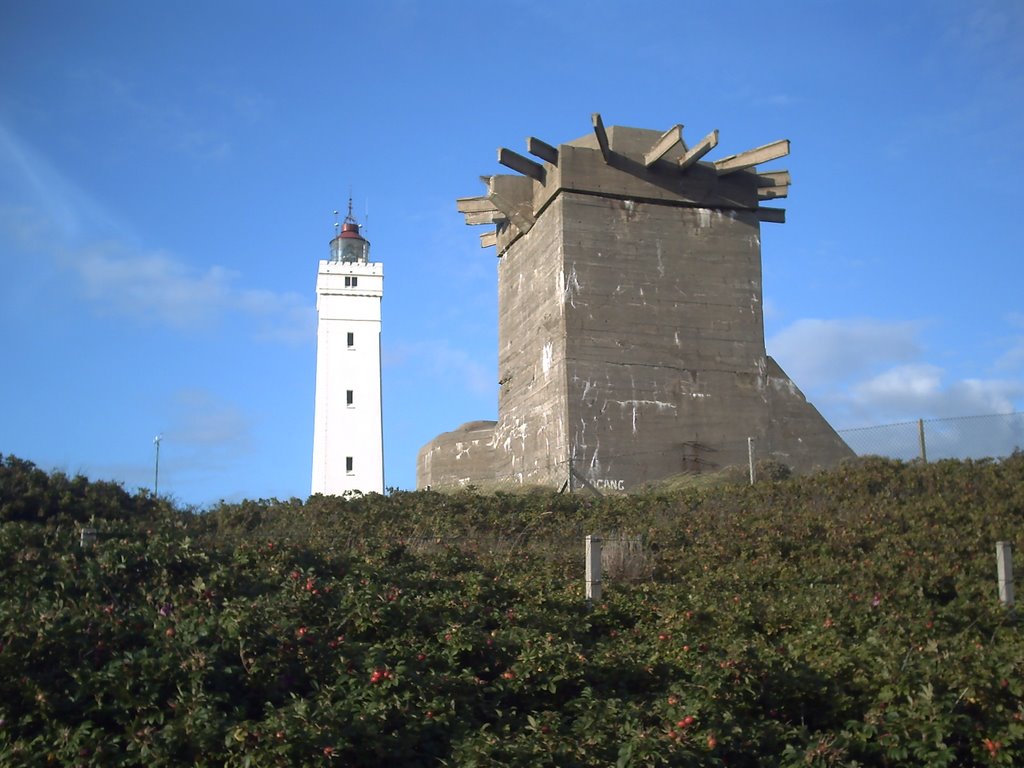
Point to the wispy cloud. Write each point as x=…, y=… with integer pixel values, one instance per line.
x=50, y=206
x=985, y=23
x=201, y=420
x=160, y=289
x=54, y=216
x=192, y=132
x=439, y=360
x=1013, y=358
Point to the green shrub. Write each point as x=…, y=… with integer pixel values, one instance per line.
x=846, y=618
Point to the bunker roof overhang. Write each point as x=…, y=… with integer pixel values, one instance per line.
x=625, y=163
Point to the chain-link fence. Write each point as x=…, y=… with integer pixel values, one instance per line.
x=959, y=437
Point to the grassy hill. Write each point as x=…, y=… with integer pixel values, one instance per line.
x=844, y=618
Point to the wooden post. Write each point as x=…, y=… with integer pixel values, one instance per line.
x=920, y=436
x=750, y=458
x=1004, y=568
x=593, y=568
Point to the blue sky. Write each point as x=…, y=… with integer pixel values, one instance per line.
x=168, y=174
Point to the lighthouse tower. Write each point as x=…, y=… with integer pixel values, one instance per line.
x=348, y=446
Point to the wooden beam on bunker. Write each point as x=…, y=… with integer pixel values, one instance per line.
x=520, y=164
x=772, y=215
x=698, y=151
x=668, y=141
x=541, y=149
x=602, y=136
x=752, y=157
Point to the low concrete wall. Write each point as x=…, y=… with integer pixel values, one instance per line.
x=461, y=457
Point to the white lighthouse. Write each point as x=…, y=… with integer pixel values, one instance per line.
x=348, y=444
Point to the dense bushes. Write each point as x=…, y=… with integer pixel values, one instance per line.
x=846, y=618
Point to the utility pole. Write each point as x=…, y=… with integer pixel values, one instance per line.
x=156, y=471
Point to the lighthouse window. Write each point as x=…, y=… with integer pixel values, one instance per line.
x=349, y=397
x=351, y=282
x=351, y=340
x=348, y=464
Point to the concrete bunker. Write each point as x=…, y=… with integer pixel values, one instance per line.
x=630, y=329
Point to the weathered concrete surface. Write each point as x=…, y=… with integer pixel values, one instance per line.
x=631, y=333
x=460, y=457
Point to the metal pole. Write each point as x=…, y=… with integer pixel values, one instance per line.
x=920, y=435
x=1004, y=569
x=156, y=471
x=750, y=458
x=593, y=568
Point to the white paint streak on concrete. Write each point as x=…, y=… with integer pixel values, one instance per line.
x=703, y=218
x=546, y=356
x=572, y=286
x=661, y=264
x=786, y=385
x=635, y=404
x=762, y=372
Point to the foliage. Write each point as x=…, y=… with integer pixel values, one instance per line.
x=845, y=618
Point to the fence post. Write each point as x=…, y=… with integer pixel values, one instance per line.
x=920, y=436
x=750, y=458
x=1004, y=568
x=593, y=568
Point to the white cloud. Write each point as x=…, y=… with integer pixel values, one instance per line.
x=818, y=353
x=865, y=372
x=920, y=390
x=914, y=382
